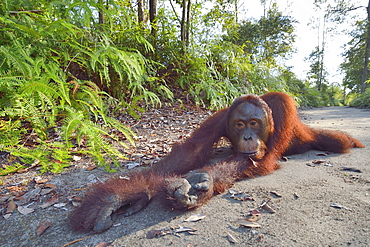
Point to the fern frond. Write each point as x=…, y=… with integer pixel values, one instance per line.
x=13, y=60
x=128, y=133
x=8, y=169
x=10, y=133
x=71, y=124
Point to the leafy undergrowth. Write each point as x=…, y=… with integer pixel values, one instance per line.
x=30, y=193
x=155, y=132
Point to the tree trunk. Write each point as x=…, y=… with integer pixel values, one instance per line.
x=321, y=58
x=183, y=21
x=140, y=11
x=236, y=10
x=101, y=14
x=187, y=26
x=153, y=16
x=367, y=51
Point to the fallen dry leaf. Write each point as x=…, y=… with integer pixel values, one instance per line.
x=233, y=192
x=90, y=168
x=103, y=244
x=247, y=223
x=7, y=216
x=42, y=227
x=25, y=210
x=185, y=229
x=268, y=208
x=60, y=205
x=350, y=169
x=76, y=158
x=4, y=198
x=76, y=201
x=75, y=241
x=50, y=202
x=10, y=207
x=277, y=194
x=255, y=212
x=15, y=188
x=311, y=165
x=45, y=191
x=195, y=217
x=132, y=165
x=323, y=154
x=252, y=218
x=295, y=196
x=232, y=239
x=284, y=158
x=52, y=186
x=40, y=180
x=239, y=195
x=336, y=205
x=174, y=231
x=30, y=195
x=154, y=233
x=318, y=161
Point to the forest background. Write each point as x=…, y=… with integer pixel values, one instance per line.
x=66, y=67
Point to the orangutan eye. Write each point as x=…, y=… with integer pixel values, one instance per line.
x=240, y=125
x=253, y=123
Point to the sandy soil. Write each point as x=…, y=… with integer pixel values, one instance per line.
x=304, y=215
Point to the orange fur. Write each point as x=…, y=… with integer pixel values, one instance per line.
x=288, y=135
x=119, y=190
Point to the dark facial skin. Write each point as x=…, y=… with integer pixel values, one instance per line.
x=248, y=130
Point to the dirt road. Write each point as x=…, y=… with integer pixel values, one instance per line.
x=316, y=204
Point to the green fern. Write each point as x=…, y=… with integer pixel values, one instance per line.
x=7, y=169
x=40, y=94
x=10, y=133
x=44, y=102
x=52, y=157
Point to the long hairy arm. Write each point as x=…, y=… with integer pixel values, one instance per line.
x=101, y=200
x=197, y=187
x=194, y=152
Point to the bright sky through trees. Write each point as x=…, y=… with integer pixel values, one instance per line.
x=307, y=32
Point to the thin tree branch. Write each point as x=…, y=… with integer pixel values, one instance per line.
x=24, y=11
x=174, y=10
x=346, y=10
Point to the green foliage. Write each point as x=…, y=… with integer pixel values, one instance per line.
x=52, y=157
x=267, y=39
x=362, y=100
x=10, y=133
x=216, y=76
x=48, y=103
x=7, y=169
x=354, y=58
x=64, y=65
x=218, y=68
x=317, y=72
x=308, y=95
x=40, y=63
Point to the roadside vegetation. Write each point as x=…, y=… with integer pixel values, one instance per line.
x=66, y=67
